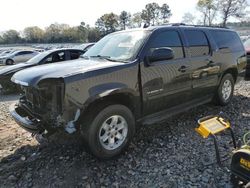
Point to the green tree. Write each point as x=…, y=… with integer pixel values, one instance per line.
x=94, y=34
x=107, y=23
x=33, y=34
x=232, y=8
x=151, y=13
x=1, y=40
x=82, y=32
x=188, y=18
x=137, y=20
x=54, y=33
x=71, y=34
x=11, y=37
x=165, y=13
x=125, y=19
x=208, y=9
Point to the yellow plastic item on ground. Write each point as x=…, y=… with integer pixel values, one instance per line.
x=211, y=125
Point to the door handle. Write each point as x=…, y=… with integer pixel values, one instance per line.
x=210, y=63
x=183, y=68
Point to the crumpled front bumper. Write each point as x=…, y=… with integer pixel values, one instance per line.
x=22, y=118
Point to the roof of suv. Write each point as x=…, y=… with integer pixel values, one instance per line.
x=176, y=26
x=181, y=25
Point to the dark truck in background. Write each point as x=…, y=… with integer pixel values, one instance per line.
x=128, y=77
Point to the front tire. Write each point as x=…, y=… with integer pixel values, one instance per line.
x=225, y=90
x=109, y=133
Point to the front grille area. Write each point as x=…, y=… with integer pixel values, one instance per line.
x=37, y=100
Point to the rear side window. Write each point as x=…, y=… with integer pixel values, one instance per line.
x=29, y=52
x=198, y=43
x=20, y=53
x=168, y=39
x=74, y=54
x=227, y=39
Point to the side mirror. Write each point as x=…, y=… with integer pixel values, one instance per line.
x=161, y=54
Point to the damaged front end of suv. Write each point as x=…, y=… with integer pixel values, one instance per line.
x=45, y=105
x=44, y=108
x=54, y=96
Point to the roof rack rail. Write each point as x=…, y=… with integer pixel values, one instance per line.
x=191, y=25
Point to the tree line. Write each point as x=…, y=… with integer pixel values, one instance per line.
x=219, y=11
x=152, y=14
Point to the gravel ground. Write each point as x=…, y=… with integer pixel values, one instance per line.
x=170, y=154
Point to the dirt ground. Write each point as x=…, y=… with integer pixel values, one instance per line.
x=170, y=154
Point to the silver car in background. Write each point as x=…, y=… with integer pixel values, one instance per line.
x=17, y=57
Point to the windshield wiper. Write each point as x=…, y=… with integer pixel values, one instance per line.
x=101, y=56
x=108, y=58
x=84, y=57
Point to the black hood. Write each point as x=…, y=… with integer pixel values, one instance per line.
x=31, y=76
x=9, y=70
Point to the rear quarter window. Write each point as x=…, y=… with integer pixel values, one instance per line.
x=227, y=39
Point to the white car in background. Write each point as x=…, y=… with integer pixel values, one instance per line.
x=17, y=57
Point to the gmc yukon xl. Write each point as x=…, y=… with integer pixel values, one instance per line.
x=129, y=77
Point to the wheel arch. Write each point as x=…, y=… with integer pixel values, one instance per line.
x=9, y=59
x=123, y=96
x=233, y=71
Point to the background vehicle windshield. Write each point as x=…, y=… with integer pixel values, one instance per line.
x=122, y=46
x=38, y=58
x=247, y=43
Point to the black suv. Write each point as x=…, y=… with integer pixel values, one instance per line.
x=142, y=75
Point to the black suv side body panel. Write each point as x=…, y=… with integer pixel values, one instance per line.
x=62, y=91
x=86, y=88
x=163, y=85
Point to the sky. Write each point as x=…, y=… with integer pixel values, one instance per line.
x=18, y=14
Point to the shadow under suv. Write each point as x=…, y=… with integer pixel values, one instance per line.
x=141, y=75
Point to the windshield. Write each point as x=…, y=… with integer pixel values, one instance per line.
x=121, y=46
x=38, y=58
x=247, y=43
x=7, y=53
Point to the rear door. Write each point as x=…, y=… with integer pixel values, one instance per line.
x=165, y=83
x=204, y=69
x=19, y=57
x=28, y=55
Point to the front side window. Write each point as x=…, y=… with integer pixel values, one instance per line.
x=121, y=46
x=55, y=57
x=38, y=58
x=198, y=43
x=169, y=39
x=18, y=54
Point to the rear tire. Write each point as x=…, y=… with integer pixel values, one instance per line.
x=109, y=132
x=9, y=62
x=225, y=90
